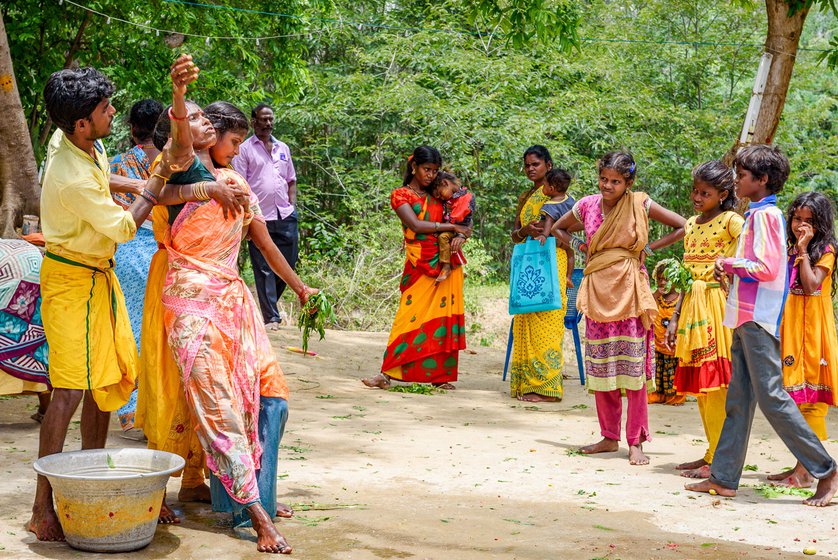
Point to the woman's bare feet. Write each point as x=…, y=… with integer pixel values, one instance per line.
x=444, y=386
x=535, y=397
x=167, y=515
x=705, y=486
x=796, y=480
x=200, y=493
x=636, y=455
x=701, y=472
x=655, y=398
x=691, y=465
x=44, y=523
x=379, y=381
x=284, y=510
x=605, y=446
x=787, y=473
x=798, y=477
x=825, y=491
x=268, y=539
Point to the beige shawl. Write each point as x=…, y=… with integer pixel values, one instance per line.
x=615, y=286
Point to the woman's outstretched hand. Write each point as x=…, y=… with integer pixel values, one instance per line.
x=183, y=73
x=462, y=230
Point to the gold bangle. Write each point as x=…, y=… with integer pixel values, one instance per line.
x=180, y=193
x=200, y=191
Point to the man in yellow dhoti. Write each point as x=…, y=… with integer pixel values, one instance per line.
x=91, y=348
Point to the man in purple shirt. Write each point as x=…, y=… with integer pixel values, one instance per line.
x=266, y=164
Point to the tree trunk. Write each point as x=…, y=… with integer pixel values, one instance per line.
x=783, y=37
x=19, y=190
x=781, y=41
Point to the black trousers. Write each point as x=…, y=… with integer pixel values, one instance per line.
x=269, y=287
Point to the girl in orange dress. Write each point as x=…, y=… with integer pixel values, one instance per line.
x=807, y=334
x=666, y=296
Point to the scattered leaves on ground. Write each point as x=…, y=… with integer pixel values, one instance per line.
x=417, y=388
x=768, y=491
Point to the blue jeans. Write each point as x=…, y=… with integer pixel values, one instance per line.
x=273, y=414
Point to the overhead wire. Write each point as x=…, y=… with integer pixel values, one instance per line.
x=373, y=25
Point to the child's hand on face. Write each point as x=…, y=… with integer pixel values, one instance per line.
x=804, y=236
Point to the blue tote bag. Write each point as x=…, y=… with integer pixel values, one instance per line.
x=534, y=278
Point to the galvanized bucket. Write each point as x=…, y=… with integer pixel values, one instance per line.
x=108, y=500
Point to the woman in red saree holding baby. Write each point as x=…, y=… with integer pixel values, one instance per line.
x=429, y=329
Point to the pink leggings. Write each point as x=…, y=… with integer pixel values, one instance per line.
x=609, y=409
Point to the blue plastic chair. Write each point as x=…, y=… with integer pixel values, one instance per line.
x=572, y=318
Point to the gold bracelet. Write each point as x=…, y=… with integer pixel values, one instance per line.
x=165, y=179
x=180, y=193
x=200, y=191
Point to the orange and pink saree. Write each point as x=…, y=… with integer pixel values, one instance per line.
x=225, y=362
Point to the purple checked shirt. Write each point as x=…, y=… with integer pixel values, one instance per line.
x=268, y=175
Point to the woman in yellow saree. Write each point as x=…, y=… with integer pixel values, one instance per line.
x=537, y=360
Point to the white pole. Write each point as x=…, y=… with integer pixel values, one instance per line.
x=756, y=99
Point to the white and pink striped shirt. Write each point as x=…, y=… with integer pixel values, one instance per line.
x=760, y=274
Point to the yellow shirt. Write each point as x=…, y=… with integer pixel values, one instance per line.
x=79, y=219
x=704, y=243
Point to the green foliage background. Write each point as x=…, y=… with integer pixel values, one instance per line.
x=481, y=81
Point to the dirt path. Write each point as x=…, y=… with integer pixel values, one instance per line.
x=470, y=474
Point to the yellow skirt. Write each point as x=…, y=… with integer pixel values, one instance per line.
x=91, y=346
x=537, y=359
x=13, y=386
x=703, y=342
x=162, y=411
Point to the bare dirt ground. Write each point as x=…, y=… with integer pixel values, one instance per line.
x=469, y=474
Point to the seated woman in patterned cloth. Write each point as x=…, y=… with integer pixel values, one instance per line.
x=23, y=345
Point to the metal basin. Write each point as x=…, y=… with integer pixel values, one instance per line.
x=108, y=500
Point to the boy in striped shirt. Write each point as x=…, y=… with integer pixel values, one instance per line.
x=754, y=309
